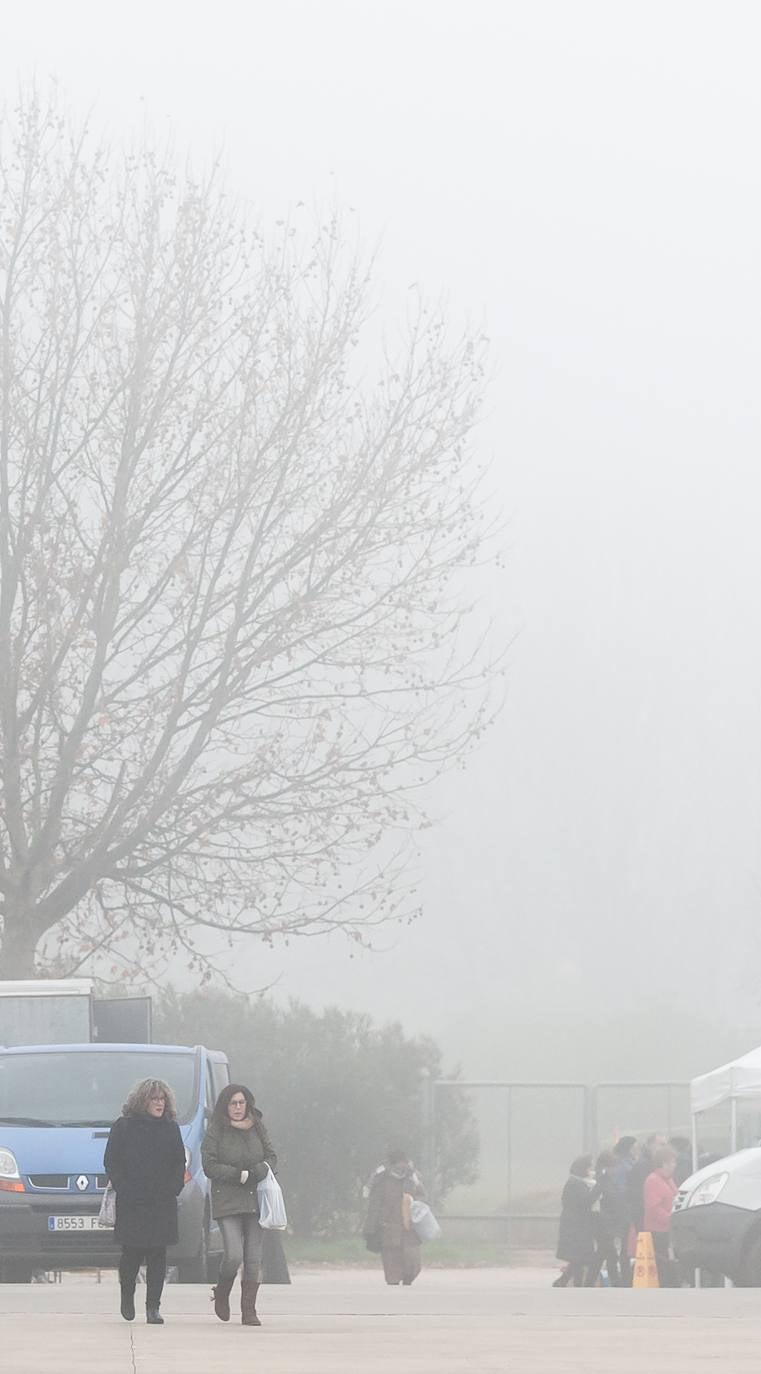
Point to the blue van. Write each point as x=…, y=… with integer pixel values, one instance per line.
x=57, y=1103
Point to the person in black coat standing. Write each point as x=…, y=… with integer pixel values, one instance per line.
x=145, y=1163
x=576, y=1238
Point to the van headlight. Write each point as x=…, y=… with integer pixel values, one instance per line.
x=708, y=1190
x=8, y=1165
x=10, y=1178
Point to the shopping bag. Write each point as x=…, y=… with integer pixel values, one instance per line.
x=271, y=1203
x=424, y=1223
x=107, y=1213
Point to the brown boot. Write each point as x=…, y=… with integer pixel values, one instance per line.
x=248, y=1291
x=220, y=1296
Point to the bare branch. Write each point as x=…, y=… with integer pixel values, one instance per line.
x=235, y=635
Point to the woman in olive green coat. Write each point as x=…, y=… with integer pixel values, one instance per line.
x=235, y=1153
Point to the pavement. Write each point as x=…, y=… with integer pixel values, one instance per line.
x=333, y=1321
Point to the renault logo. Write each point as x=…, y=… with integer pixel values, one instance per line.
x=82, y=1183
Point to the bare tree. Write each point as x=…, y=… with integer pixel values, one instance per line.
x=230, y=605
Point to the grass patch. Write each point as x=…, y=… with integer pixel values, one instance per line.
x=342, y=1250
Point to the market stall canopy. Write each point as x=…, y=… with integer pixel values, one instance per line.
x=739, y=1081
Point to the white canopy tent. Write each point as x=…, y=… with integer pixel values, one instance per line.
x=739, y=1081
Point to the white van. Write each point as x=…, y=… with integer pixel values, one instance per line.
x=716, y=1223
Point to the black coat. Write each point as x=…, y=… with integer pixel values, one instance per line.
x=145, y=1161
x=620, y=1176
x=576, y=1236
x=609, y=1224
x=640, y=1170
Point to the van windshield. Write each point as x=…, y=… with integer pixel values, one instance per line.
x=87, y=1088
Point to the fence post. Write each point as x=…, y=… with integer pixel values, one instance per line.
x=509, y=1160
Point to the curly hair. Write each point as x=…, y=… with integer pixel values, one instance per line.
x=137, y=1102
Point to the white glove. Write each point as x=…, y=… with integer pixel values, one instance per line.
x=244, y=1175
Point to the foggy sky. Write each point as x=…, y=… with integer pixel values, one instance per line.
x=583, y=179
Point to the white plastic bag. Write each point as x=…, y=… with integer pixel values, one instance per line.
x=271, y=1203
x=107, y=1213
x=424, y=1223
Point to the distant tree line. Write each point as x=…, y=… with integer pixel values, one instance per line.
x=336, y=1090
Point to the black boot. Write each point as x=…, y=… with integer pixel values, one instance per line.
x=248, y=1291
x=220, y=1296
x=128, y=1267
x=127, y=1306
x=155, y=1273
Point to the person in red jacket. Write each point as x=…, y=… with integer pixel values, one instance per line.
x=658, y=1195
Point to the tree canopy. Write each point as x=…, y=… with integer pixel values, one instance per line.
x=231, y=547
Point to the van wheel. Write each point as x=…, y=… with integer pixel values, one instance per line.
x=751, y=1270
x=196, y=1270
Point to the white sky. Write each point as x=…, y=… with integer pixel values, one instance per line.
x=584, y=179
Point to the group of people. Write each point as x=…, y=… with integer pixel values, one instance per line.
x=145, y=1163
x=605, y=1205
x=146, y=1166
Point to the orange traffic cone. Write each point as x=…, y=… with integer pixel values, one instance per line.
x=645, y=1267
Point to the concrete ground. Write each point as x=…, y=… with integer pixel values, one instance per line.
x=335, y=1320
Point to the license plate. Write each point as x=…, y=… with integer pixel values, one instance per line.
x=74, y=1223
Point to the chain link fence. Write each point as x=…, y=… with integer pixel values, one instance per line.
x=529, y=1133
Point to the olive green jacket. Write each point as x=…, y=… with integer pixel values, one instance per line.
x=226, y=1151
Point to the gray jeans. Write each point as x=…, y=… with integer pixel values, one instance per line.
x=242, y=1238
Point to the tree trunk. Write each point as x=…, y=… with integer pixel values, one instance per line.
x=17, y=950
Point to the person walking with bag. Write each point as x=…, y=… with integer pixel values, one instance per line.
x=145, y=1164
x=236, y=1155
x=388, y=1225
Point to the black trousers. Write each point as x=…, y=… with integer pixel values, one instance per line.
x=155, y=1271
x=578, y=1273
x=624, y=1263
x=668, y=1274
x=607, y=1255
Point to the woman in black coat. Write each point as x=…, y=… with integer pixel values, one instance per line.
x=576, y=1238
x=145, y=1163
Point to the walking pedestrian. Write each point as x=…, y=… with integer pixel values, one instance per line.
x=145, y=1164
x=576, y=1235
x=659, y=1193
x=388, y=1225
x=235, y=1154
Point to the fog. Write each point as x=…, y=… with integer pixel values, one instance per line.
x=583, y=180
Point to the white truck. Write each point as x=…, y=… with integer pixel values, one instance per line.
x=60, y=1011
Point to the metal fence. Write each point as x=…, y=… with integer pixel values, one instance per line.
x=529, y=1133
